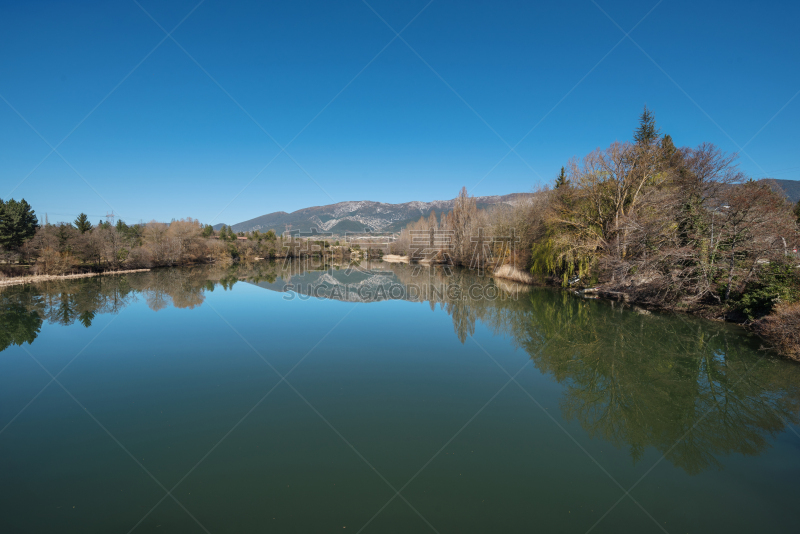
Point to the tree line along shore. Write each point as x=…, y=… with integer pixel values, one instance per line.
x=647, y=222
x=29, y=249
x=678, y=228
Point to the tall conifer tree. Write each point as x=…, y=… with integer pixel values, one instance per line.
x=18, y=223
x=561, y=179
x=82, y=223
x=646, y=133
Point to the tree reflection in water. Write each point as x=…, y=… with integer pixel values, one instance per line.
x=691, y=389
x=19, y=321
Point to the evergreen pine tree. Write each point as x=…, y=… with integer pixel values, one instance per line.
x=646, y=133
x=18, y=223
x=3, y=231
x=561, y=179
x=667, y=145
x=82, y=223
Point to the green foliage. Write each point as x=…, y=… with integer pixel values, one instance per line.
x=18, y=223
x=548, y=260
x=18, y=324
x=270, y=235
x=647, y=132
x=561, y=179
x=82, y=223
x=774, y=283
x=228, y=281
x=544, y=259
x=668, y=146
x=207, y=230
x=132, y=232
x=86, y=318
x=64, y=233
x=223, y=233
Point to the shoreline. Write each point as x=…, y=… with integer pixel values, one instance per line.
x=507, y=272
x=395, y=258
x=33, y=279
x=760, y=327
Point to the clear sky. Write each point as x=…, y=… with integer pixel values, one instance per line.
x=153, y=127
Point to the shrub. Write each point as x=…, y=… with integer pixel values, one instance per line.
x=247, y=253
x=50, y=261
x=139, y=258
x=782, y=329
x=220, y=253
x=775, y=283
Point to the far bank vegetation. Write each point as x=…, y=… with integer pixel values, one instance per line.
x=28, y=248
x=669, y=227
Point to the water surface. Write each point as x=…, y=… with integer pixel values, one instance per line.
x=388, y=398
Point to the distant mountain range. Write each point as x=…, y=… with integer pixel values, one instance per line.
x=790, y=187
x=356, y=216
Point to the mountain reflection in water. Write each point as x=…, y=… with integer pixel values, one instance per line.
x=692, y=389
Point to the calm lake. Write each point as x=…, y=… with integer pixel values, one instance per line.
x=383, y=398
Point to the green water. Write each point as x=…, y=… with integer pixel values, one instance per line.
x=387, y=398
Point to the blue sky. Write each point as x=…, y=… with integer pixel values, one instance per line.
x=151, y=132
